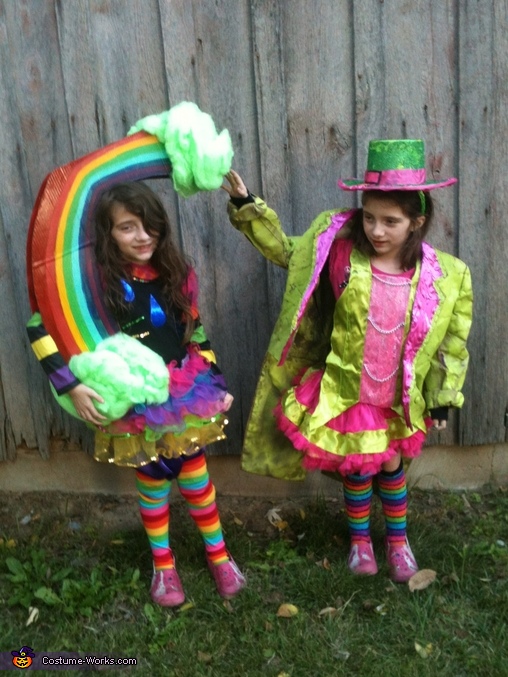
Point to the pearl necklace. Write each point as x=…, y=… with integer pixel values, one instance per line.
x=391, y=283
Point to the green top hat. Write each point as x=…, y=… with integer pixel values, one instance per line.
x=395, y=164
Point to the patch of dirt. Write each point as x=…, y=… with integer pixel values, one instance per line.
x=110, y=513
x=113, y=513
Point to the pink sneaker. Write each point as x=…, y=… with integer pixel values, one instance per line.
x=166, y=588
x=361, y=560
x=401, y=561
x=228, y=578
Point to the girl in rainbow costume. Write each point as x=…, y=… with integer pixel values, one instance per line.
x=151, y=390
x=369, y=349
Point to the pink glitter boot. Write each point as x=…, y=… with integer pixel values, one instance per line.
x=361, y=560
x=166, y=588
x=401, y=561
x=228, y=578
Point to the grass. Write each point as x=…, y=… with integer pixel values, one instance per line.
x=90, y=587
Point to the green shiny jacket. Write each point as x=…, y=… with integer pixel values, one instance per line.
x=314, y=329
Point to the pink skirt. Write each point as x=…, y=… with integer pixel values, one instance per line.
x=197, y=396
x=359, y=419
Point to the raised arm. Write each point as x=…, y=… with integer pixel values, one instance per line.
x=237, y=188
x=260, y=224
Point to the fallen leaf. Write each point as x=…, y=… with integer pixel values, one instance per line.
x=451, y=578
x=324, y=564
x=117, y=541
x=342, y=655
x=186, y=607
x=268, y=626
x=238, y=521
x=227, y=605
x=287, y=611
x=302, y=513
x=273, y=516
x=33, y=615
x=422, y=579
x=204, y=657
x=329, y=611
x=381, y=609
x=467, y=504
x=423, y=651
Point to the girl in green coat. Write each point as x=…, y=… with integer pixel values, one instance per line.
x=369, y=350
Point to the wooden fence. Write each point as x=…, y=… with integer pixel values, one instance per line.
x=302, y=86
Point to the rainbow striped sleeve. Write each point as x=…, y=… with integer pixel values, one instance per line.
x=59, y=374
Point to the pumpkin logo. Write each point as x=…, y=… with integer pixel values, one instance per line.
x=23, y=658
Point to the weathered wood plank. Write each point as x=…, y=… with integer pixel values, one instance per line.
x=405, y=88
x=194, y=34
x=483, y=204
x=318, y=65
x=110, y=48
x=17, y=421
x=119, y=60
x=21, y=81
x=272, y=128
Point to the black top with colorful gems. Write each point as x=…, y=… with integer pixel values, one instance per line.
x=149, y=320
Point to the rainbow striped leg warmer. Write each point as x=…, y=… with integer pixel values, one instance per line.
x=393, y=495
x=358, y=501
x=199, y=494
x=153, y=497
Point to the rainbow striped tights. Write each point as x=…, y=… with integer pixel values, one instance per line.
x=393, y=495
x=199, y=494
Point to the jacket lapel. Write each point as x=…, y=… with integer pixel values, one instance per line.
x=322, y=243
x=424, y=310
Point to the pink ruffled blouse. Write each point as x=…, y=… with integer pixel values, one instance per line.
x=385, y=333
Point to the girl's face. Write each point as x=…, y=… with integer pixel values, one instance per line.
x=387, y=227
x=135, y=244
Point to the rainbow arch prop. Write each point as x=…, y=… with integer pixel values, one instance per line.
x=63, y=279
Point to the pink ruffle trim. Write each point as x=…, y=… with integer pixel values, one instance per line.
x=316, y=458
x=196, y=394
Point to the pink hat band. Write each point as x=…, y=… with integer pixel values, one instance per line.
x=396, y=177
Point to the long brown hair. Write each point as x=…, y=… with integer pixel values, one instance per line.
x=411, y=205
x=171, y=264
